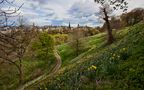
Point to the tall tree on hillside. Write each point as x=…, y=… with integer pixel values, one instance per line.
x=76, y=41
x=107, y=7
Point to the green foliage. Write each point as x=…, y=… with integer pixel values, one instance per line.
x=33, y=67
x=60, y=38
x=44, y=46
x=119, y=66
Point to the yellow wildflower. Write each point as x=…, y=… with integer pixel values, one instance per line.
x=94, y=67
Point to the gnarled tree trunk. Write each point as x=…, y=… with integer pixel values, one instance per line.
x=109, y=30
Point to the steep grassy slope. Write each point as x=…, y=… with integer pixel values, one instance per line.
x=32, y=68
x=119, y=66
x=68, y=54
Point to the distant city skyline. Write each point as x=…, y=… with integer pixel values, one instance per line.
x=61, y=12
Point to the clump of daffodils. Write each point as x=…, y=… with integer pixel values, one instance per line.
x=92, y=67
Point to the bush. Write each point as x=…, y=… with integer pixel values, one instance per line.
x=44, y=46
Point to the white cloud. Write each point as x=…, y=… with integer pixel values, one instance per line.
x=83, y=9
x=64, y=11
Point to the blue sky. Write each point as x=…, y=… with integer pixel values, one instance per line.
x=61, y=12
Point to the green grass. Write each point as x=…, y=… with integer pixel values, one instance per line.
x=67, y=53
x=93, y=42
x=119, y=66
x=32, y=68
x=35, y=68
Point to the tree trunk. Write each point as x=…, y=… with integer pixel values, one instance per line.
x=109, y=30
x=20, y=72
x=110, y=36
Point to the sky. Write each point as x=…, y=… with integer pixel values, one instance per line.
x=61, y=12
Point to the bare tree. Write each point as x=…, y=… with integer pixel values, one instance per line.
x=21, y=21
x=13, y=47
x=76, y=41
x=8, y=12
x=13, y=44
x=107, y=7
x=133, y=17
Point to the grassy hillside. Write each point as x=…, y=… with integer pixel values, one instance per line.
x=32, y=68
x=119, y=66
x=67, y=53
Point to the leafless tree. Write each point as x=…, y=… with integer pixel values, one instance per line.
x=14, y=43
x=13, y=47
x=8, y=12
x=76, y=41
x=106, y=9
x=23, y=22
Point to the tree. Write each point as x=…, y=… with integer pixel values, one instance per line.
x=13, y=44
x=133, y=17
x=77, y=43
x=115, y=23
x=22, y=21
x=13, y=47
x=107, y=7
x=44, y=45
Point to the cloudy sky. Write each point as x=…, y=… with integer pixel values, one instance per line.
x=61, y=12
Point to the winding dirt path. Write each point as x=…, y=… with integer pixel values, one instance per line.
x=45, y=76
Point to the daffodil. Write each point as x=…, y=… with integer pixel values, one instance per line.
x=94, y=67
